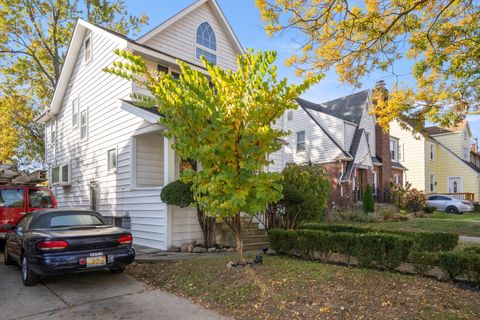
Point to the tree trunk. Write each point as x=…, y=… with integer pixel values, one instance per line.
x=207, y=224
x=235, y=224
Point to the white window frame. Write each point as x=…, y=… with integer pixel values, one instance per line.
x=466, y=152
x=432, y=152
x=75, y=110
x=61, y=181
x=86, y=124
x=304, y=142
x=88, y=39
x=202, y=47
x=395, y=152
x=432, y=183
x=460, y=187
x=53, y=133
x=112, y=169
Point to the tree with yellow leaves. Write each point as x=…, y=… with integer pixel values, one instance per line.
x=34, y=37
x=356, y=38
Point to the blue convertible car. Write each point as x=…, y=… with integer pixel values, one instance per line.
x=56, y=241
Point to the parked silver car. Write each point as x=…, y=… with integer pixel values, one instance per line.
x=449, y=204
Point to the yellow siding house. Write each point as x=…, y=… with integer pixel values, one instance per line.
x=438, y=159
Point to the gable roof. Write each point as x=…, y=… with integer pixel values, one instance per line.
x=76, y=43
x=434, y=130
x=348, y=108
x=303, y=104
x=150, y=34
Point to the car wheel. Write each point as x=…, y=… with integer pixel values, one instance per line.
x=29, y=277
x=6, y=257
x=116, y=269
x=452, y=209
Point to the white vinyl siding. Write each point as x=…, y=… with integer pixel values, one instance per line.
x=149, y=160
x=367, y=122
x=349, y=133
x=319, y=148
x=179, y=39
x=111, y=126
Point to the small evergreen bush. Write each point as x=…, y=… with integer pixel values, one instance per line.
x=453, y=264
x=423, y=261
x=368, y=202
x=177, y=193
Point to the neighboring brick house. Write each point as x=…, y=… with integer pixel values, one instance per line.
x=344, y=137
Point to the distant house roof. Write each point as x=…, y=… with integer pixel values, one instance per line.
x=433, y=130
x=376, y=161
x=398, y=165
x=348, y=108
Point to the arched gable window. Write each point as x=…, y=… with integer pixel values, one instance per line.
x=206, y=43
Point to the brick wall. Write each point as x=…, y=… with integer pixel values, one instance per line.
x=385, y=175
x=334, y=171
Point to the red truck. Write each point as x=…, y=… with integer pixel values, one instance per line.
x=16, y=201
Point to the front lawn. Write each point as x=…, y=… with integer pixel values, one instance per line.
x=284, y=288
x=454, y=224
x=475, y=216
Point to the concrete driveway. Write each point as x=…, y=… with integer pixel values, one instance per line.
x=93, y=295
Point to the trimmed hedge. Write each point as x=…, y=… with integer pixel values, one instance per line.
x=423, y=241
x=460, y=264
x=371, y=249
x=423, y=262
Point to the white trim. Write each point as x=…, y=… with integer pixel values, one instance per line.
x=90, y=39
x=460, y=189
x=114, y=170
x=77, y=99
x=202, y=47
x=139, y=112
x=73, y=50
x=86, y=124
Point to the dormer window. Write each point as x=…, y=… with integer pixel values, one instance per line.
x=206, y=43
x=87, y=48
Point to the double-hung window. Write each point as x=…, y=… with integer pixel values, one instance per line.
x=432, y=183
x=432, y=151
x=394, y=149
x=300, y=141
x=88, y=49
x=83, y=124
x=112, y=160
x=75, y=113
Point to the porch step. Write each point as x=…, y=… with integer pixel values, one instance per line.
x=255, y=239
x=255, y=246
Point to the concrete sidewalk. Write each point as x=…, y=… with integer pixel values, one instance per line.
x=95, y=295
x=470, y=239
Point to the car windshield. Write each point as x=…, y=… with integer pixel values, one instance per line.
x=74, y=220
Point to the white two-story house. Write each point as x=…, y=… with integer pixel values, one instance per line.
x=106, y=153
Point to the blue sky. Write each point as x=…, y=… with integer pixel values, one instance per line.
x=245, y=20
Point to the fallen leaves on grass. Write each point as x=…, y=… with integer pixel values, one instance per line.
x=285, y=288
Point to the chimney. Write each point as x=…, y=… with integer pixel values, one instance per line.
x=379, y=85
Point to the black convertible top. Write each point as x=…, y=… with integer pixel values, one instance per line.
x=41, y=218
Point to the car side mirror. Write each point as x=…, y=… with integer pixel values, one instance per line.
x=8, y=227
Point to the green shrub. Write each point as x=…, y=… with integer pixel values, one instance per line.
x=371, y=249
x=177, y=193
x=368, y=204
x=472, y=250
x=283, y=241
x=423, y=261
x=453, y=264
x=306, y=188
x=335, y=227
x=429, y=241
x=473, y=268
x=351, y=215
x=411, y=200
x=429, y=210
x=423, y=241
x=385, y=250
